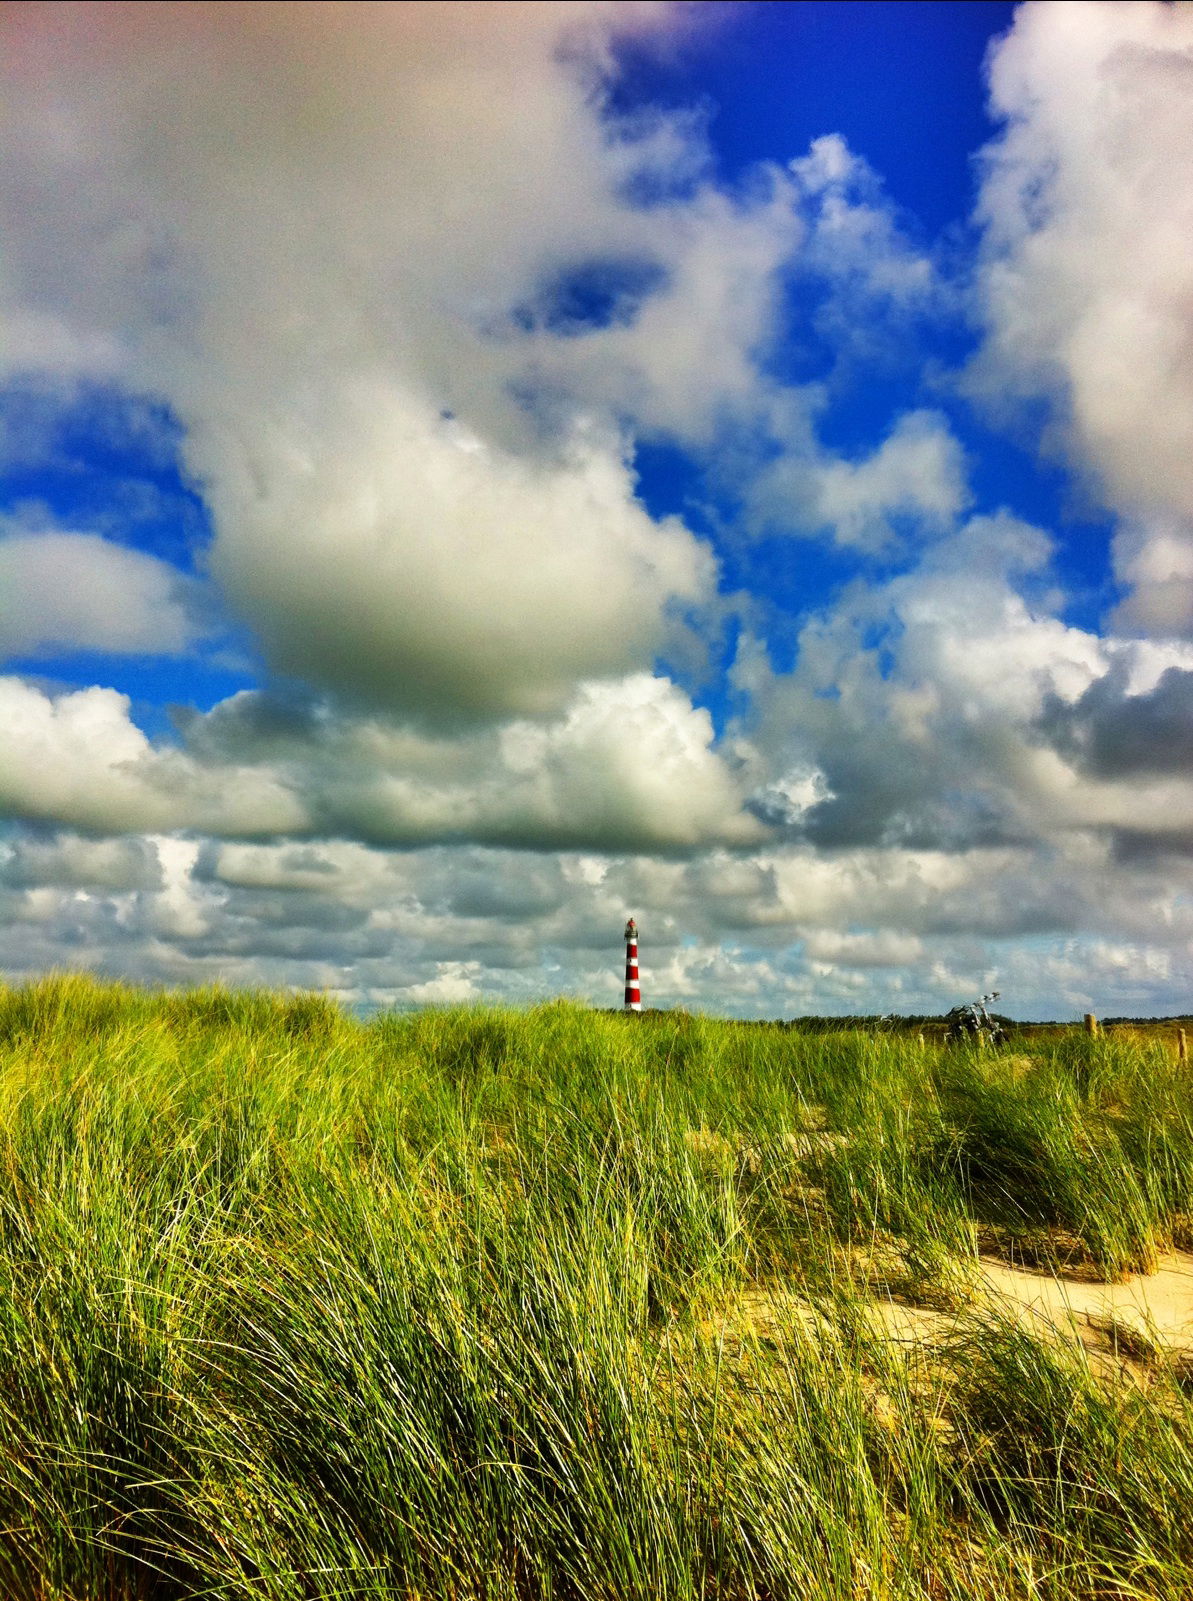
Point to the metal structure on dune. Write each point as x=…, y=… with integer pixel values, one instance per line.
x=633, y=994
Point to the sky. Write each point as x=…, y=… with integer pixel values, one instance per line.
x=469, y=473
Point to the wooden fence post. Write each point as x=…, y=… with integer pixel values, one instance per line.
x=1182, y=1046
x=1091, y=1024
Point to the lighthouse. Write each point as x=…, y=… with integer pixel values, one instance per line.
x=633, y=995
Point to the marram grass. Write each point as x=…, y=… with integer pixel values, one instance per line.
x=448, y=1305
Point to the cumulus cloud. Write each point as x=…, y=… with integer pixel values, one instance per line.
x=77, y=758
x=1087, y=279
x=319, y=244
x=454, y=982
x=70, y=861
x=917, y=473
x=944, y=709
x=1115, y=733
x=406, y=562
x=630, y=764
x=775, y=932
x=951, y=769
x=859, y=293
x=886, y=948
x=914, y=482
x=857, y=241
x=1154, y=559
x=68, y=590
x=690, y=361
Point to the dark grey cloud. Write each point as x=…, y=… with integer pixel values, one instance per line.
x=1171, y=848
x=29, y=858
x=259, y=725
x=1112, y=733
x=472, y=891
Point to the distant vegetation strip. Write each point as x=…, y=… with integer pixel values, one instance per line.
x=447, y=1305
x=926, y=1022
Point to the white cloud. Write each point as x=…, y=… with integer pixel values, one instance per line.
x=855, y=235
x=454, y=982
x=859, y=293
x=424, y=570
x=77, y=758
x=1087, y=282
x=942, y=708
x=313, y=242
x=776, y=933
x=629, y=765
x=886, y=948
x=688, y=362
x=69, y=590
x=1154, y=558
x=637, y=758
x=38, y=340
x=70, y=861
x=915, y=480
x=177, y=911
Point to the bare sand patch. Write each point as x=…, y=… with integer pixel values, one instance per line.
x=1157, y=1306
x=1147, y=1315
x=1144, y=1317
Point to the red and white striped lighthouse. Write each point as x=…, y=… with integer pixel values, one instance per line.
x=633, y=995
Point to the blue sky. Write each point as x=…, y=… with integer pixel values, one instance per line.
x=468, y=473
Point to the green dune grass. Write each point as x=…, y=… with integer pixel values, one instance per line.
x=447, y=1305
